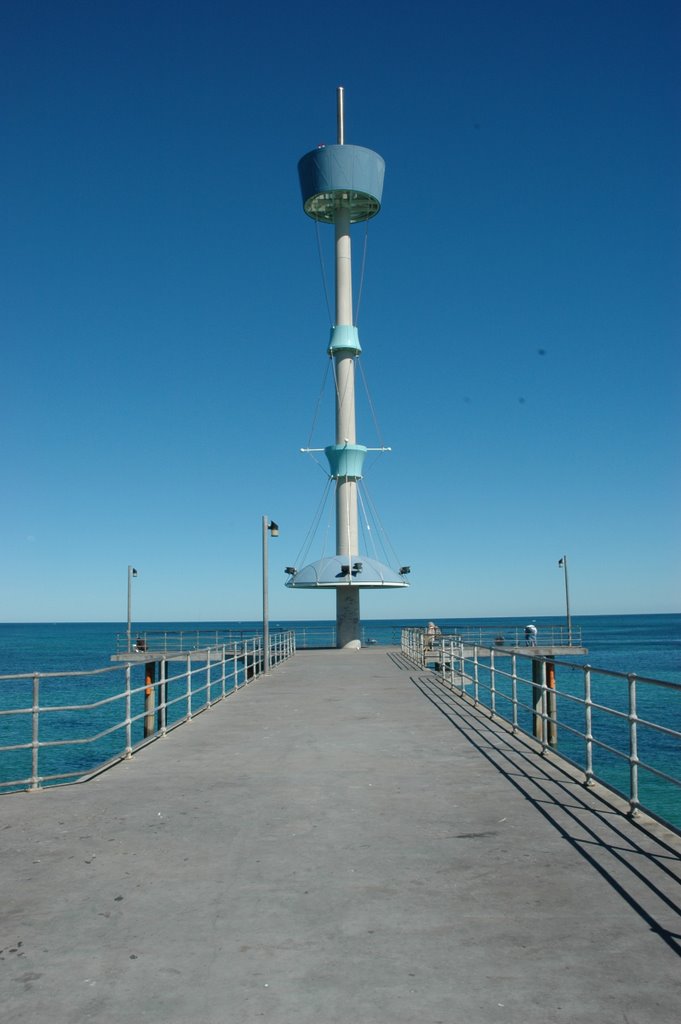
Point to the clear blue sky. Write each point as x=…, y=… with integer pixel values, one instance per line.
x=164, y=323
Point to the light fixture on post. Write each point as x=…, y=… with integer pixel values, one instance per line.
x=562, y=563
x=272, y=527
x=131, y=573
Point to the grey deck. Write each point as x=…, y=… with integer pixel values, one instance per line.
x=342, y=841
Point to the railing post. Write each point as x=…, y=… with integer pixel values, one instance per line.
x=514, y=691
x=162, y=703
x=551, y=721
x=35, y=732
x=208, y=680
x=235, y=663
x=544, y=705
x=633, y=748
x=538, y=698
x=128, y=711
x=492, y=684
x=223, y=680
x=149, y=688
x=189, y=687
x=476, y=680
x=588, y=734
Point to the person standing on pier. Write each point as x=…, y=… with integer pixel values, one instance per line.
x=531, y=635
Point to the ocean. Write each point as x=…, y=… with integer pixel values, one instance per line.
x=647, y=645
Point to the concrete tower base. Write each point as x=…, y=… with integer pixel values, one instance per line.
x=348, y=630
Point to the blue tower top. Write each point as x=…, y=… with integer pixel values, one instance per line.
x=348, y=176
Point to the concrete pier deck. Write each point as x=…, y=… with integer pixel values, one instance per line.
x=342, y=841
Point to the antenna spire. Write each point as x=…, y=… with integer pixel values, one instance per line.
x=340, y=115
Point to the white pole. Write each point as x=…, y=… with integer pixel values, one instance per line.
x=268, y=526
x=131, y=572
x=347, y=532
x=564, y=564
x=265, y=609
x=346, y=430
x=340, y=115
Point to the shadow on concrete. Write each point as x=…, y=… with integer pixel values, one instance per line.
x=638, y=858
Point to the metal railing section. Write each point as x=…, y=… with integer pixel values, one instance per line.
x=178, y=641
x=308, y=637
x=549, y=635
x=621, y=730
x=67, y=727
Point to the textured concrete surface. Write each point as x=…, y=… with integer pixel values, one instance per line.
x=342, y=841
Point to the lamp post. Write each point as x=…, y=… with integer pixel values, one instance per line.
x=267, y=525
x=131, y=572
x=563, y=565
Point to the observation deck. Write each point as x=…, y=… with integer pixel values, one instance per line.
x=345, y=840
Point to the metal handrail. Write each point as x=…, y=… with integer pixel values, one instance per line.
x=549, y=635
x=308, y=636
x=150, y=710
x=553, y=701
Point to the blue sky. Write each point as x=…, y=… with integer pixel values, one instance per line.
x=164, y=323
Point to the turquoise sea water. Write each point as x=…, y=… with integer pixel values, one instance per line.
x=648, y=645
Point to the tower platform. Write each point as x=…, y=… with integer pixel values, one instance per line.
x=343, y=841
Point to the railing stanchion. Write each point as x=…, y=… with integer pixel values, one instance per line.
x=544, y=705
x=35, y=732
x=189, y=687
x=588, y=734
x=162, y=713
x=538, y=699
x=476, y=678
x=492, y=684
x=551, y=706
x=235, y=662
x=633, y=748
x=149, y=697
x=128, y=711
x=514, y=691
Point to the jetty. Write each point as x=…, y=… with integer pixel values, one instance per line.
x=345, y=840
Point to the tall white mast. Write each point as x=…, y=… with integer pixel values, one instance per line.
x=342, y=185
x=347, y=540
